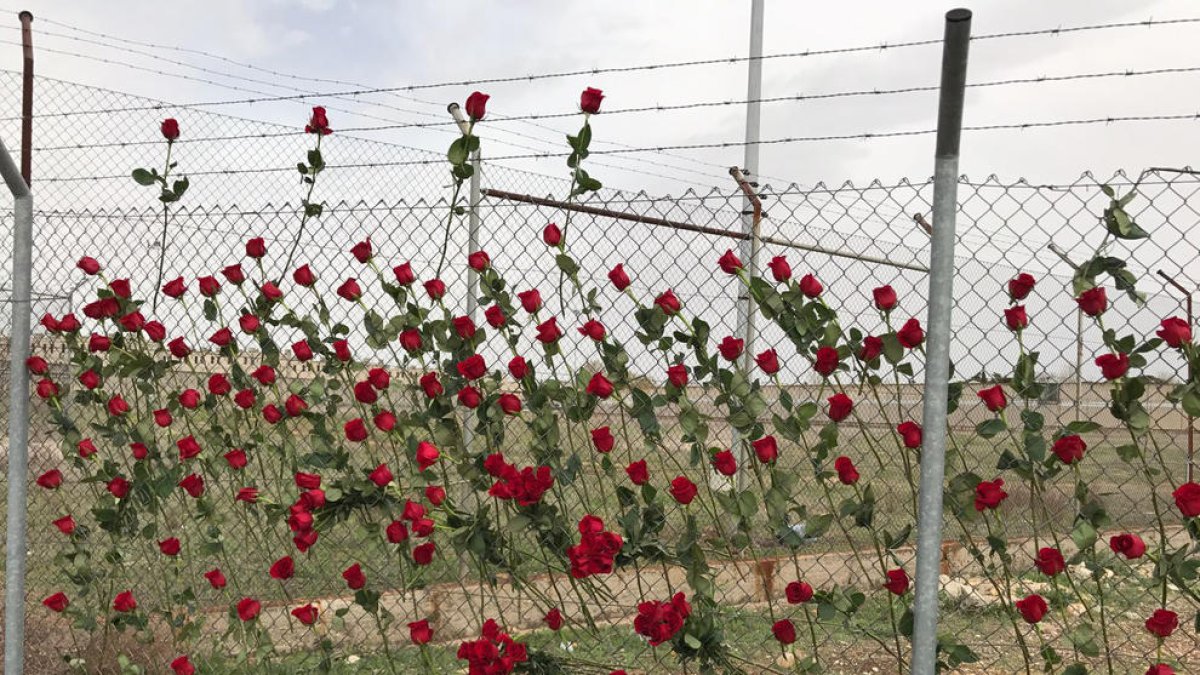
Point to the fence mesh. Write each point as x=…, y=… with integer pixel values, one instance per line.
x=244, y=184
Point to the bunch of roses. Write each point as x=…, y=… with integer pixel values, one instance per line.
x=524, y=486
x=596, y=550
x=494, y=653
x=660, y=620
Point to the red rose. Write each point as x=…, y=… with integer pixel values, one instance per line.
x=179, y=348
x=669, y=304
x=784, y=631
x=1113, y=366
x=897, y=582
x=221, y=338
x=798, y=592
x=1020, y=286
x=910, y=434
x=495, y=316
x=826, y=361
x=57, y=602
x=215, y=578
x=1069, y=449
x=638, y=473
x=469, y=397
x=464, y=327
x=1162, y=623
x=307, y=481
x=1175, y=332
x=379, y=378
x=660, y=621
x=385, y=420
x=66, y=525
x=780, y=269
x=730, y=348
x=295, y=406
x=1187, y=499
x=413, y=510
x=132, y=322
x=318, y=123
x=592, y=329
x=362, y=251
x=476, y=105
x=121, y=288
x=69, y=324
x=155, y=331
x=729, y=263
x=98, y=343
x=234, y=274
x=169, y=129
x=302, y=350
x=46, y=388
x=169, y=546
x=244, y=399
x=396, y=532
x=846, y=471
x=1032, y=608
x=305, y=540
x=473, y=367
x=410, y=340
x=248, y=609
x=419, y=632
x=435, y=494
x=1160, y=669
x=188, y=447
x=355, y=430
x=431, y=386
x=552, y=235
x=1015, y=318
x=509, y=403
x=989, y=494
x=765, y=449
x=249, y=323
x=993, y=398
x=683, y=490
x=124, y=602
x=885, y=298
x=306, y=614
x=548, y=331
x=404, y=274
x=189, y=398
x=117, y=406
x=247, y=494
x=599, y=386
x=282, y=569
x=589, y=100
x=255, y=248
x=174, y=288
x=910, y=334
x=350, y=290
x=381, y=476
x=518, y=368
x=236, y=458
x=724, y=463
x=840, y=406
x=677, y=375
x=435, y=288
x=810, y=287
x=531, y=300
x=602, y=439
x=264, y=374
x=50, y=480
x=1049, y=561
x=192, y=484
x=209, y=286
x=478, y=261
x=341, y=349
x=423, y=554
x=768, y=361
x=37, y=365
x=219, y=385
x=427, y=454
x=1129, y=545
x=618, y=277
x=86, y=448
x=89, y=265
x=1093, y=302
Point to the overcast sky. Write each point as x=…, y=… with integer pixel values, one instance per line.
x=401, y=43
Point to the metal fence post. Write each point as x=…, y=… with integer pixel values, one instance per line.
x=18, y=415
x=937, y=367
x=750, y=246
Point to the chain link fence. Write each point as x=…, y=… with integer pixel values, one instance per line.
x=244, y=184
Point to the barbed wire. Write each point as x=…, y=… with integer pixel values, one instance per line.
x=1148, y=23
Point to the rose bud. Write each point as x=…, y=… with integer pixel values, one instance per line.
x=885, y=298
x=169, y=546
x=139, y=451
x=1113, y=366
x=638, y=472
x=155, y=331
x=1020, y=286
x=1093, y=302
x=677, y=376
x=249, y=323
x=284, y=568
x=302, y=350
x=1069, y=449
x=602, y=439
x=730, y=348
x=86, y=448
x=668, y=303
x=423, y=554
x=306, y=614
x=124, y=602
x=1129, y=545
x=846, y=471
x=256, y=248
x=599, y=386
x=354, y=577
x=548, y=331
x=99, y=343
x=552, y=235
x=170, y=129
x=1162, y=623
x=89, y=265
x=435, y=494
x=188, y=447
x=174, y=288
x=495, y=316
x=476, y=105
x=766, y=449
x=1032, y=608
x=510, y=404
x=1049, y=561
x=993, y=398
x=248, y=609
x=57, y=602
x=1187, y=499
x=427, y=454
x=593, y=329
x=472, y=368
x=50, y=480
x=826, y=361
x=724, y=463
x=216, y=578
x=381, y=476
x=192, y=484
x=66, y=525
x=189, y=398
x=341, y=350
x=247, y=494
x=356, y=430
x=244, y=399
x=871, y=348
x=478, y=261
x=589, y=100
x=780, y=269
x=419, y=632
x=179, y=348
x=989, y=494
x=798, y=592
x=729, y=263
x=784, y=631
x=90, y=379
x=236, y=459
x=295, y=406
x=430, y=385
x=518, y=368
x=1175, y=332
x=897, y=582
x=464, y=327
x=910, y=334
x=840, y=406
x=618, y=277
x=234, y=274
x=46, y=388
x=683, y=490
x=69, y=324
x=318, y=123
x=404, y=274
x=117, y=406
x=1016, y=318
x=219, y=385
x=132, y=322
x=362, y=251
x=531, y=300
x=435, y=289
x=350, y=290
